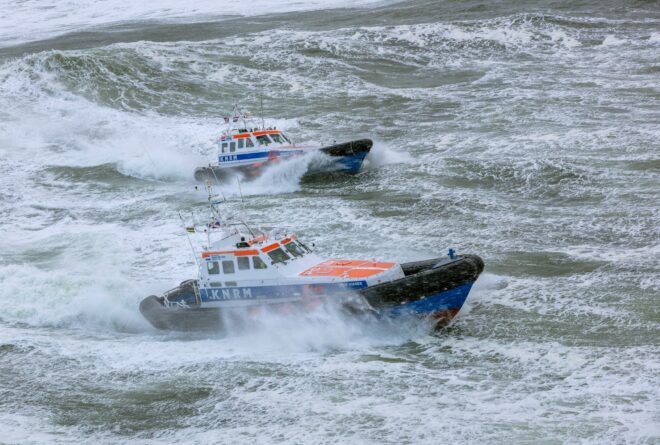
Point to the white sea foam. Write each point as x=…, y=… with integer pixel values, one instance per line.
x=17, y=428
x=65, y=129
x=512, y=31
x=612, y=40
x=382, y=153
x=39, y=19
x=86, y=275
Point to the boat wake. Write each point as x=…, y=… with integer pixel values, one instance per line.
x=276, y=178
x=326, y=328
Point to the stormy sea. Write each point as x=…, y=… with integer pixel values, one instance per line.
x=527, y=133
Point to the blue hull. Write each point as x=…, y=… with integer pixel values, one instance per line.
x=351, y=164
x=444, y=304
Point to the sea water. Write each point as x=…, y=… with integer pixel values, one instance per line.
x=527, y=133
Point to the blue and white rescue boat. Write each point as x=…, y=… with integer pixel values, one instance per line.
x=244, y=272
x=248, y=148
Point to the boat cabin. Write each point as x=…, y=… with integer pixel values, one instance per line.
x=241, y=140
x=235, y=262
x=233, y=259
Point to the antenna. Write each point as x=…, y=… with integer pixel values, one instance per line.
x=261, y=100
x=183, y=223
x=244, y=116
x=240, y=192
x=215, y=176
x=207, y=184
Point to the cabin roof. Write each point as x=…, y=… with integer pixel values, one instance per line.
x=244, y=133
x=249, y=247
x=347, y=269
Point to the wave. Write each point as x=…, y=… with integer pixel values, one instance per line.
x=533, y=178
x=52, y=123
x=28, y=22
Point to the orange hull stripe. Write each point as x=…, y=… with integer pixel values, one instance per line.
x=260, y=133
x=231, y=252
x=246, y=252
x=241, y=135
x=271, y=247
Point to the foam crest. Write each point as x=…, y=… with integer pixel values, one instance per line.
x=88, y=275
x=92, y=297
x=60, y=128
x=28, y=23
x=385, y=153
x=612, y=40
x=515, y=32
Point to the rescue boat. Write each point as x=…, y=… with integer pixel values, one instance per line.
x=244, y=272
x=248, y=148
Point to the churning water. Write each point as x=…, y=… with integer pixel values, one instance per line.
x=527, y=133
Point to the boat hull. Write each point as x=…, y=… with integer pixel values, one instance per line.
x=434, y=289
x=348, y=157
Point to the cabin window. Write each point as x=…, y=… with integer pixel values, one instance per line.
x=232, y=146
x=213, y=267
x=304, y=246
x=278, y=256
x=240, y=143
x=228, y=266
x=263, y=139
x=258, y=263
x=249, y=143
x=276, y=138
x=243, y=262
x=224, y=147
x=293, y=249
x=286, y=138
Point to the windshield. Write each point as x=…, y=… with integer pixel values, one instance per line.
x=307, y=249
x=278, y=256
x=293, y=249
x=263, y=139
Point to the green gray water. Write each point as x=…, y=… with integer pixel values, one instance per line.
x=525, y=133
